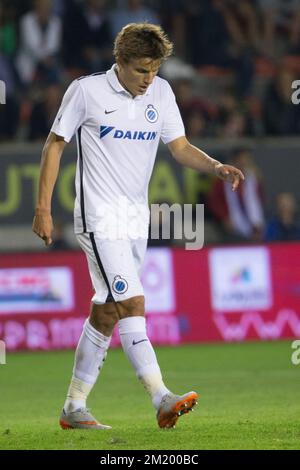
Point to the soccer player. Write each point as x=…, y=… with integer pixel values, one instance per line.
x=119, y=117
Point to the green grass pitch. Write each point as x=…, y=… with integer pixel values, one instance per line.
x=249, y=399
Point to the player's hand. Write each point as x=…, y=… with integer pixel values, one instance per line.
x=43, y=226
x=229, y=173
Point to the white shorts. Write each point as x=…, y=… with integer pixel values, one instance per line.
x=114, y=265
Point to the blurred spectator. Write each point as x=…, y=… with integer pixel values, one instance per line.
x=221, y=39
x=284, y=226
x=46, y=103
x=214, y=37
x=246, y=23
x=40, y=43
x=281, y=26
x=91, y=49
x=21, y=6
x=134, y=12
x=59, y=7
x=196, y=125
x=185, y=97
x=173, y=22
x=234, y=119
x=197, y=115
x=8, y=33
x=9, y=113
x=240, y=213
x=281, y=116
x=235, y=126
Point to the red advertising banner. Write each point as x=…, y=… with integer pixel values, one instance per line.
x=239, y=293
x=216, y=294
x=44, y=299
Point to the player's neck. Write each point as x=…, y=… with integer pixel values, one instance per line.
x=122, y=82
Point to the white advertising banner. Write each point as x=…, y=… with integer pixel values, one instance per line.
x=240, y=279
x=36, y=289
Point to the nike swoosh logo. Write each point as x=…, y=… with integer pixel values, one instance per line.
x=137, y=342
x=108, y=112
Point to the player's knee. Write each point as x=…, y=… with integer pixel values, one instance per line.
x=135, y=306
x=104, y=317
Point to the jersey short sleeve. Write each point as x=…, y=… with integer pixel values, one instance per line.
x=172, y=124
x=71, y=113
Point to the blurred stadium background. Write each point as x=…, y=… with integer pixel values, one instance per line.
x=232, y=72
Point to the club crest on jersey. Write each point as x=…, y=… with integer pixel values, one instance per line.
x=151, y=113
x=119, y=285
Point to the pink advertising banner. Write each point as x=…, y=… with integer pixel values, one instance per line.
x=214, y=294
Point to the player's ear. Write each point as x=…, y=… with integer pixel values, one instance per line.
x=121, y=64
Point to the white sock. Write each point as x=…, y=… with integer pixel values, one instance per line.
x=90, y=354
x=140, y=353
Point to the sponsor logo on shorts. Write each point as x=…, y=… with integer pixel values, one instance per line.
x=120, y=285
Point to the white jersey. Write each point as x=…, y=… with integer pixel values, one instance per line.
x=117, y=140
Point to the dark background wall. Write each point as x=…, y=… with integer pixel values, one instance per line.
x=278, y=160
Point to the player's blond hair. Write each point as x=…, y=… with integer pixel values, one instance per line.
x=140, y=40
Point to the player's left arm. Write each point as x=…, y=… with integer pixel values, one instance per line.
x=188, y=155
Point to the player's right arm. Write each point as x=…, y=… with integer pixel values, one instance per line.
x=51, y=155
x=69, y=118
